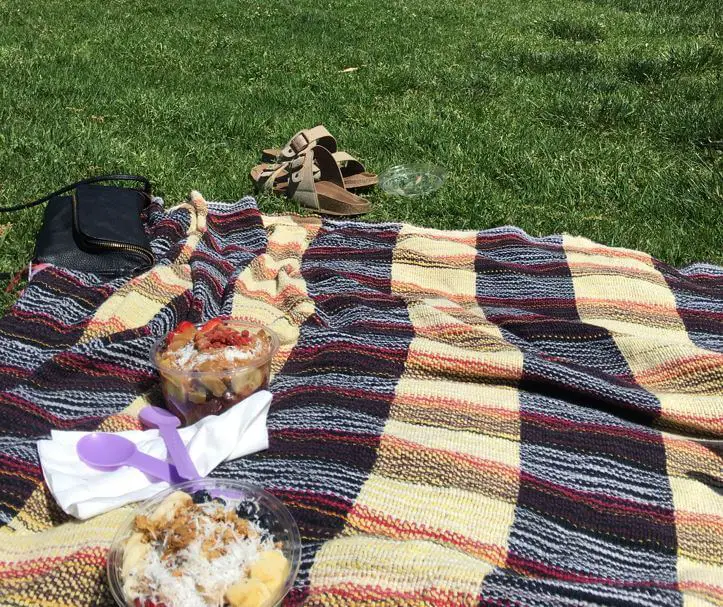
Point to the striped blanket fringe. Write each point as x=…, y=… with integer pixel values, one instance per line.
x=459, y=418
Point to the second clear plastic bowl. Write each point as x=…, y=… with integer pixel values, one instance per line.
x=286, y=532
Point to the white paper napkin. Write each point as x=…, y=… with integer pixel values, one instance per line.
x=83, y=492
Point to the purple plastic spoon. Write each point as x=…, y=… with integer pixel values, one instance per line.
x=106, y=451
x=167, y=424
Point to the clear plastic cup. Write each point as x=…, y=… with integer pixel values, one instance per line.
x=194, y=394
x=282, y=525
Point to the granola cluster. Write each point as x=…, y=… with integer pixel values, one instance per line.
x=178, y=532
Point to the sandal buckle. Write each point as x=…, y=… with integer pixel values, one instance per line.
x=298, y=143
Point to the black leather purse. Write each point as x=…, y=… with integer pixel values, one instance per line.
x=95, y=228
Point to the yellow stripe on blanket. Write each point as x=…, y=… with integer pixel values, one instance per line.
x=138, y=301
x=271, y=289
x=367, y=570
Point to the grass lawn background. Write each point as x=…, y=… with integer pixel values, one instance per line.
x=602, y=118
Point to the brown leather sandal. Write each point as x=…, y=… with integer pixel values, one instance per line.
x=354, y=173
x=323, y=194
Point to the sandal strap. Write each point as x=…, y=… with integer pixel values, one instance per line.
x=270, y=174
x=348, y=164
x=314, y=136
x=302, y=185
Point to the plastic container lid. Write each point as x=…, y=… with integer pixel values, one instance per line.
x=412, y=179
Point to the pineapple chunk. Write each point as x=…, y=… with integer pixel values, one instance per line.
x=248, y=593
x=271, y=569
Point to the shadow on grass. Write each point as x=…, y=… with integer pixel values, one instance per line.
x=676, y=62
x=674, y=7
x=576, y=31
x=547, y=62
x=600, y=113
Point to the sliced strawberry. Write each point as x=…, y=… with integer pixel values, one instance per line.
x=211, y=324
x=184, y=326
x=181, y=328
x=181, y=336
x=137, y=602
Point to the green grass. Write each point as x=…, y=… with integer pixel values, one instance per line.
x=602, y=118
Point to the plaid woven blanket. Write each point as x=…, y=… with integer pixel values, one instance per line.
x=459, y=418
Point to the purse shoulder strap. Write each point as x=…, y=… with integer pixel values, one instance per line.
x=72, y=186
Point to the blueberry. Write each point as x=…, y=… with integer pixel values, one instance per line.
x=266, y=536
x=248, y=509
x=201, y=497
x=266, y=521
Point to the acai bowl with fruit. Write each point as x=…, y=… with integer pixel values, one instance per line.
x=207, y=368
x=205, y=543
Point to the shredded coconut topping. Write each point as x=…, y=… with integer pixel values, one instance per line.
x=196, y=573
x=188, y=357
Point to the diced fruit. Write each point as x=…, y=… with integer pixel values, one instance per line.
x=248, y=593
x=133, y=553
x=256, y=377
x=214, y=384
x=247, y=382
x=207, y=365
x=211, y=324
x=168, y=506
x=181, y=336
x=174, y=389
x=197, y=396
x=271, y=569
x=238, y=382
